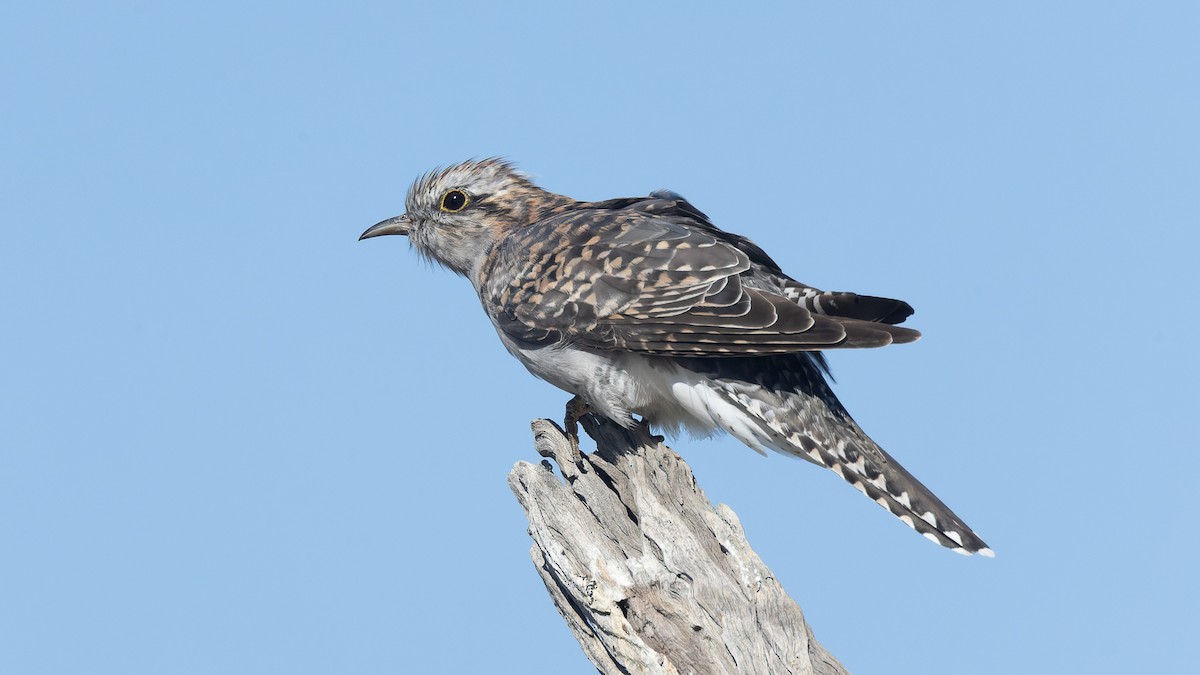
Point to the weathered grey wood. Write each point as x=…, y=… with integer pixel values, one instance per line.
x=650, y=577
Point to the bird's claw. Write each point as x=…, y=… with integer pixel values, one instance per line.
x=576, y=408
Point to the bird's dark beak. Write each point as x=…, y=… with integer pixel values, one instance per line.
x=397, y=225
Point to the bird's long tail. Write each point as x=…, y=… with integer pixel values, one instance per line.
x=783, y=403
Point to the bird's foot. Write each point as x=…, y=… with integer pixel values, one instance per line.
x=576, y=408
x=644, y=428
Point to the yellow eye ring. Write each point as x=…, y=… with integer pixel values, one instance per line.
x=454, y=201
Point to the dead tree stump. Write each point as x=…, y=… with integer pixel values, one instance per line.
x=650, y=577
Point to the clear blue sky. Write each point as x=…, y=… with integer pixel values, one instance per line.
x=233, y=439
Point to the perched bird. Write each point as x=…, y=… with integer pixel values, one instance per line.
x=642, y=305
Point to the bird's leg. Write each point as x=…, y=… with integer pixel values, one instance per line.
x=576, y=408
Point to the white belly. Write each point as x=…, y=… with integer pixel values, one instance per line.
x=618, y=384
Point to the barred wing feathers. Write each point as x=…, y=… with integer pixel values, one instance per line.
x=651, y=276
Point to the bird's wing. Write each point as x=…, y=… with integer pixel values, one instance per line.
x=832, y=303
x=652, y=276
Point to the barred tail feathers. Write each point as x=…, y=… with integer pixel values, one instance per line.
x=791, y=410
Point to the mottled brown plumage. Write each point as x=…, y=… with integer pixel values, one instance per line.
x=643, y=278
x=642, y=305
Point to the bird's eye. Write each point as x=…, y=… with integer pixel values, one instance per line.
x=454, y=201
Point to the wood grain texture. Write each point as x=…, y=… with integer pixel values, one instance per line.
x=650, y=576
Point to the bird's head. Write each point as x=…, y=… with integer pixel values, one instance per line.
x=455, y=215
